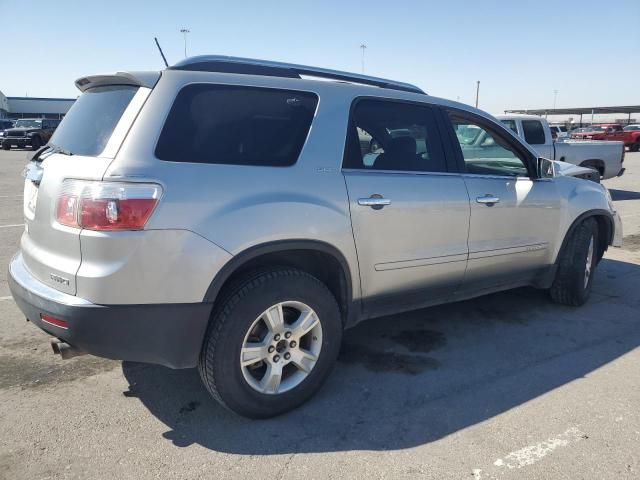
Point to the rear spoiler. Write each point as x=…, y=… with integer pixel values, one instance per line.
x=137, y=79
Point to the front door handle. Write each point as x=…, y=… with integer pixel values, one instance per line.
x=488, y=200
x=375, y=201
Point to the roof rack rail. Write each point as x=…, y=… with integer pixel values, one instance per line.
x=249, y=66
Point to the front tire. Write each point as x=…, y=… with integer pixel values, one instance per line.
x=576, y=266
x=635, y=147
x=272, y=342
x=36, y=143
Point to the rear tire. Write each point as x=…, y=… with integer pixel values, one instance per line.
x=576, y=266
x=243, y=317
x=6, y=146
x=635, y=147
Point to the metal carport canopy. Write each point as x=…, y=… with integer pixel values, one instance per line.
x=629, y=109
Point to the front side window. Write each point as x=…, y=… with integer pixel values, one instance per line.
x=533, y=132
x=237, y=125
x=387, y=135
x=485, y=151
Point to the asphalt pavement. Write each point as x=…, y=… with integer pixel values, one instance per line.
x=508, y=386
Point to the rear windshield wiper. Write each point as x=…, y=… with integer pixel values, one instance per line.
x=47, y=150
x=57, y=149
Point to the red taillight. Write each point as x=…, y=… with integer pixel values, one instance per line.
x=106, y=205
x=54, y=321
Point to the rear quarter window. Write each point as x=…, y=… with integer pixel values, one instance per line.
x=533, y=132
x=237, y=125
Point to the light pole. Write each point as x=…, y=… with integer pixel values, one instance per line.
x=555, y=98
x=477, y=92
x=363, y=47
x=184, y=32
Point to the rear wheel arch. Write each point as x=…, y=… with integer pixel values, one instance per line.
x=594, y=163
x=319, y=259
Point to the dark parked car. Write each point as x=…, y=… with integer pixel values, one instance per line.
x=34, y=132
x=4, y=124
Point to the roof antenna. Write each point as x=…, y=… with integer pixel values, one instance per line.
x=161, y=53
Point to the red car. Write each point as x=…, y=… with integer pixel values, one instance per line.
x=612, y=131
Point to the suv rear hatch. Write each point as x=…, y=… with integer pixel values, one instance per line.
x=82, y=147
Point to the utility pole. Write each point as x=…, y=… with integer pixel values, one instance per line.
x=477, y=92
x=184, y=31
x=363, y=47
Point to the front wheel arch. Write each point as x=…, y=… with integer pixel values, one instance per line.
x=606, y=228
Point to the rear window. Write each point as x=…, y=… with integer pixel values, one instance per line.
x=224, y=124
x=87, y=127
x=533, y=132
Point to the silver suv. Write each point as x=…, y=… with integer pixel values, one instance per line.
x=232, y=215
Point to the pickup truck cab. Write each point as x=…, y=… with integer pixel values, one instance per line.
x=629, y=135
x=605, y=157
x=598, y=132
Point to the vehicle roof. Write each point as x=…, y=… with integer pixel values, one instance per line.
x=252, y=66
x=521, y=116
x=313, y=79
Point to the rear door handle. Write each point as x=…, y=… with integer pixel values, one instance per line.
x=375, y=201
x=489, y=200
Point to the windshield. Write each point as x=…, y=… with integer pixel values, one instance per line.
x=631, y=128
x=87, y=127
x=28, y=124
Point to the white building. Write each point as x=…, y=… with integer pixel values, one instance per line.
x=34, y=107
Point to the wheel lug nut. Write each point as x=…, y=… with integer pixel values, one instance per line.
x=276, y=337
x=276, y=358
x=271, y=349
x=287, y=335
x=287, y=356
x=293, y=344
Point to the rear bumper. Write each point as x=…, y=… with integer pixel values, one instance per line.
x=165, y=334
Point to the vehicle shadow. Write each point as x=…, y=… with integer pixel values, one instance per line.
x=618, y=195
x=410, y=379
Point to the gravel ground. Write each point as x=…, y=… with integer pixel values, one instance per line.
x=505, y=386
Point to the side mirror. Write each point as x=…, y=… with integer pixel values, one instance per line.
x=546, y=168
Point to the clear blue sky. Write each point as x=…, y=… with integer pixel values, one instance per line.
x=515, y=48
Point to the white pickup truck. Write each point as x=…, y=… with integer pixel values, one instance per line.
x=605, y=157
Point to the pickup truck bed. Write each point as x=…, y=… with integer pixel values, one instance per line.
x=604, y=156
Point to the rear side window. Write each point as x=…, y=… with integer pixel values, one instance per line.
x=533, y=132
x=225, y=124
x=388, y=135
x=87, y=127
x=511, y=124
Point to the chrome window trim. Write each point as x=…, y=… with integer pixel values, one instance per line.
x=402, y=172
